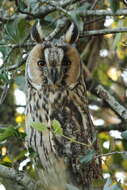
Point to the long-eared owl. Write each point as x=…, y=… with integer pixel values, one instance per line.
x=56, y=91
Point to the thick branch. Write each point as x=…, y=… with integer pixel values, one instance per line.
x=115, y=105
x=19, y=177
x=119, y=12
x=103, y=31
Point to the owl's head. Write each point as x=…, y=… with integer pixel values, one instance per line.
x=54, y=62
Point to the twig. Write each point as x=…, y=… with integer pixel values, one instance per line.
x=94, y=4
x=4, y=93
x=75, y=141
x=97, y=19
x=19, y=177
x=15, y=66
x=111, y=153
x=119, y=127
x=19, y=64
x=103, y=32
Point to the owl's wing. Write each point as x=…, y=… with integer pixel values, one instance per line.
x=78, y=135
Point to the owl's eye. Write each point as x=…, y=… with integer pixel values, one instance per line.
x=41, y=63
x=66, y=61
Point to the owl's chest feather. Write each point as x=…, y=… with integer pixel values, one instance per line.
x=42, y=104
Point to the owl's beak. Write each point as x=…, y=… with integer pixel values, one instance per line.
x=54, y=75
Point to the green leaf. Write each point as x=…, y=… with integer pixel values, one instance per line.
x=114, y=4
x=88, y=157
x=39, y=126
x=4, y=77
x=7, y=132
x=21, y=29
x=17, y=30
x=4, y=50
x=124, y=134
x=10, y=30
x=57, y=127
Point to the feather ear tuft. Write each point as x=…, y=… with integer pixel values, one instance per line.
x=72, y=34
x=37, y=33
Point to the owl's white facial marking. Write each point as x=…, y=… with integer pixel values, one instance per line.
x=53, y=58
x=53, y=55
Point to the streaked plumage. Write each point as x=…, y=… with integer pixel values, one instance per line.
x=56, y=90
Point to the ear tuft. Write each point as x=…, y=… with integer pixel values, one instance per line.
x=37, y=33
x=72, y=34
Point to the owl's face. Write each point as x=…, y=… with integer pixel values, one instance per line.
x=53, y=64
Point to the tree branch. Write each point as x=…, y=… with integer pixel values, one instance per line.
x=114, y=104
x=103, y=32
x=19, y=177
x=100, y=91
x=119, y=12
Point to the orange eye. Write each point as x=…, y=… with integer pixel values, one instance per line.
x=41, y=63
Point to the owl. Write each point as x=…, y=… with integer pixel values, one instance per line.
x=56, y=91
